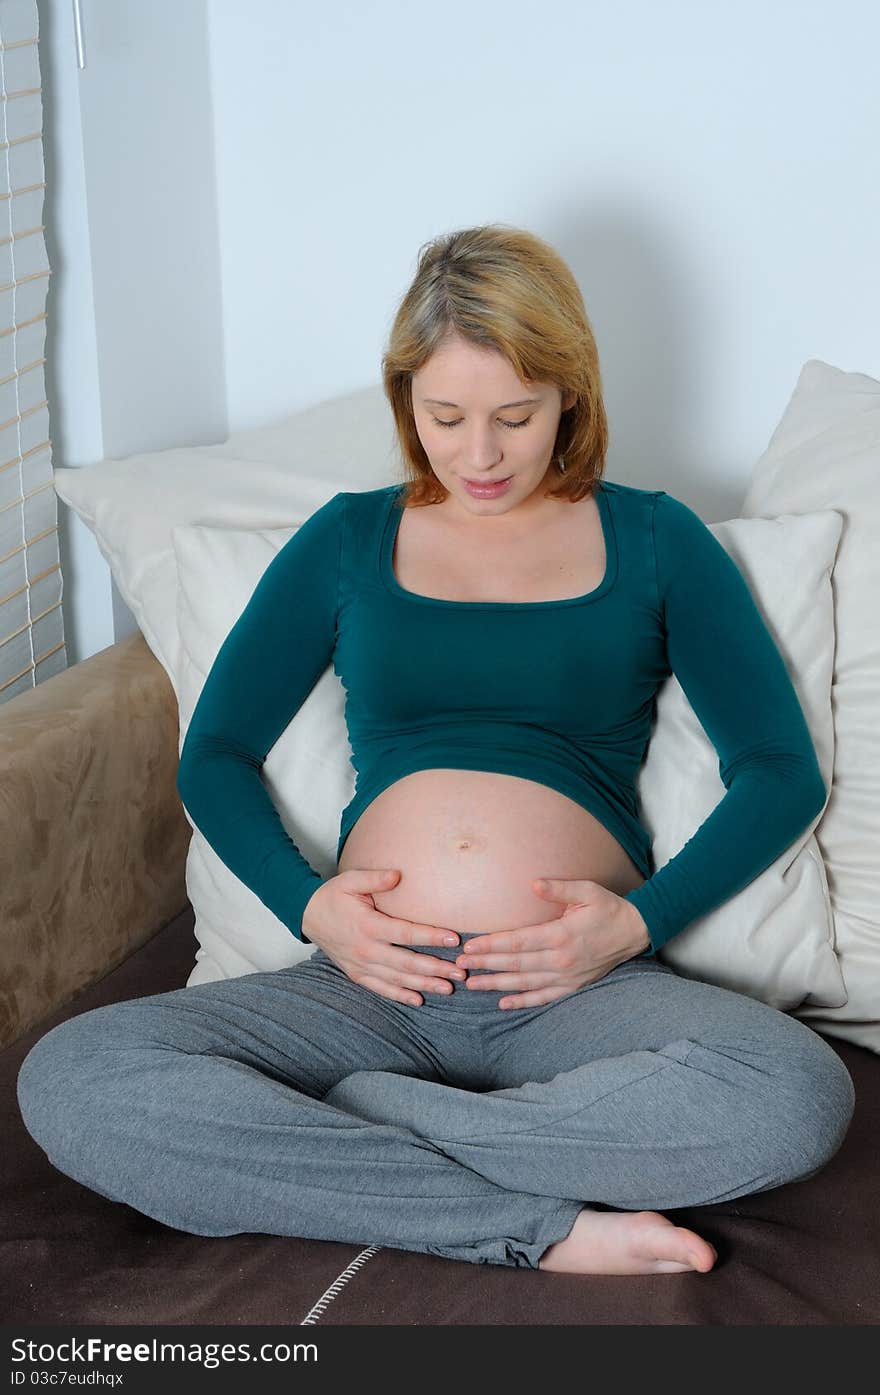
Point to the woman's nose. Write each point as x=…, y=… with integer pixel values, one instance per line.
x=481, y=456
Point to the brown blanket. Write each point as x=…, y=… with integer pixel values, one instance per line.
x=808, y=1252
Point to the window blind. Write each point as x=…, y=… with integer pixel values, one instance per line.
x=31, y=623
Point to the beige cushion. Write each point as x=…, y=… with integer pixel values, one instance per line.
x=825, y=454
x=234, y=504
x=773, y=940
x=308, y=772
x=264, y=478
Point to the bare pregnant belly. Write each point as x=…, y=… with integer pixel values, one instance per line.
x=469, y=843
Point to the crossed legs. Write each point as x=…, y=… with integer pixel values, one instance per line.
x=300, y=1103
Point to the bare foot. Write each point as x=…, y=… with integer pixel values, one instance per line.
x=627, y=1242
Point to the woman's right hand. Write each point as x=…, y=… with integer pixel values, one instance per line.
x=342, y=919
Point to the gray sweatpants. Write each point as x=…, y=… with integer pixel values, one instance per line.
x=297, y=1102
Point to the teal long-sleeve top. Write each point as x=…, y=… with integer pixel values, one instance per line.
x=560, y=692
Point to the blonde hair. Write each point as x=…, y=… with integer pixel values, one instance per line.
x=501, y=288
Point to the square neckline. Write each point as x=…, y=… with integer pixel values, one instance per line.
x=391, y=527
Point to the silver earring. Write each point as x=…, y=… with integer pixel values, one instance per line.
x=561, y=460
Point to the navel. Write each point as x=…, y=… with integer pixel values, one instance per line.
x=465, y=842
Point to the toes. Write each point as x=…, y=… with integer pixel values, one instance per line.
x=666, y=1237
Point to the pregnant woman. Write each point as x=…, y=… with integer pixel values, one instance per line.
x=483, y=1058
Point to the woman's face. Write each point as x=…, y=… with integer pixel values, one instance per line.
x=477, y=421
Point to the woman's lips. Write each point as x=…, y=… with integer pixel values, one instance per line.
x=486, y=489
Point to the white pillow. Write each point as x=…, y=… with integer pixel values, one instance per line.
x=825, y=454
x=308, y=771
x=265, y=478
x=773, y=940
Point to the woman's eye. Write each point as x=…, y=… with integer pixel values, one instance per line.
x=512, y=424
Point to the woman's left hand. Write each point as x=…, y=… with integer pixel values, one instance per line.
x=597, y=931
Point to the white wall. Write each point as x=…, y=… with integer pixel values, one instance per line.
x=709, y=172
